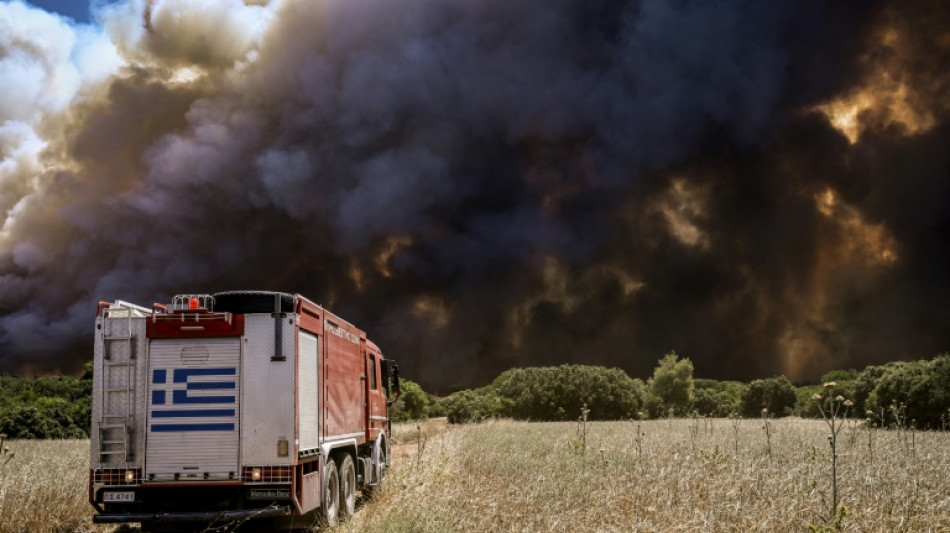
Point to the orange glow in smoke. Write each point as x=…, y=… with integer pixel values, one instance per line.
x=870, y=243
x=392, y=247
x=884, y=99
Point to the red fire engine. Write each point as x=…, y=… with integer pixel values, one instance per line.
x=232, y=406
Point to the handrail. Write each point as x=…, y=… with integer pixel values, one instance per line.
x=197, y=317
x=105, y=307
x=139, y=308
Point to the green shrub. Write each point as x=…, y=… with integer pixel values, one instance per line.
x=922, y=386
x=51, y=420
x=48, y=407
x=864, y=385
x=413, y=403
x=717, y=398
x=474, y=406
x=775, y=394
x=558, y=393
x=839, y=376
x=672, y=383
x=805, y=405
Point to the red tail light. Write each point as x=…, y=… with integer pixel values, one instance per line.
x=116, y=476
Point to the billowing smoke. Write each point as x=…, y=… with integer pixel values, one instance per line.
x=762, y=186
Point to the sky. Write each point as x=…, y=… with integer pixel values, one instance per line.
x=762, y=187
x=77, y=10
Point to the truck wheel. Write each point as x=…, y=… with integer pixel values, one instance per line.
x=347, y=487
x=330, y=503
x=373, y=490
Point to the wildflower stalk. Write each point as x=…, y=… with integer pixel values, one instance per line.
x=835, y=413
x=640, y=435
x=582, y=427
x=736, y=420
x=693, y=429
x=422, y=438
x=4, y=450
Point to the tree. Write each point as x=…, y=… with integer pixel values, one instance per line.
x=717, y=398
x=864, y=386
x=775, y=394
x=413, y=403
x=48, y=420
x=475, y=405
x=672, y=383
x=805, y=404
x=922, y=387
x=45, y=407
x=559, y=392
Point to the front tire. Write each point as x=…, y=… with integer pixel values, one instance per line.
x=381, y=461
x=330, y=503
x=347, y=487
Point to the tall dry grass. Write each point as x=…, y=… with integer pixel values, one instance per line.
x=513, y=476
x=43, y=489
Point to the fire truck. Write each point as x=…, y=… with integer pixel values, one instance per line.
x=235, y=406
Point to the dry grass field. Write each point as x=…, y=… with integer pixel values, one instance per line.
x=44, y=487
x=685, y=475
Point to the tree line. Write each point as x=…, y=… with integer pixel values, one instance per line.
x=910, y=393
x=46, y=407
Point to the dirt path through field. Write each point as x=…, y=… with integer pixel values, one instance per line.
x=406, y=437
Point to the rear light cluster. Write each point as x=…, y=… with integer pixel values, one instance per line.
x=267, y=474
x=117, y=476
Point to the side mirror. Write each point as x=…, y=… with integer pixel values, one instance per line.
x=392, y=381
x=396, y=389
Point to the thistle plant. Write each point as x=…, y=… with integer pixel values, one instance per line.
x=912, y=441
x=834, y=411
x=854, y=424
x=693, y=428
x=736, y=421
x=422, y=438
x=5, y=451
x=583, y=425
x=899, y=415
x=640, y=435
x=868, y=427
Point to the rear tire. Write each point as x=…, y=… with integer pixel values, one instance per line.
x=347, y=487
x=330, y=503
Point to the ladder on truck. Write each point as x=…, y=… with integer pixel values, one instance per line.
x=117, y=396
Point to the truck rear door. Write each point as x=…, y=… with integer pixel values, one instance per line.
x=193, y=409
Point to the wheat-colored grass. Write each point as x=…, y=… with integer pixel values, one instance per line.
x=44, y=488
x=516, y=476
x=513, y=476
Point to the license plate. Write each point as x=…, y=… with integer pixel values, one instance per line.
x=115, y=496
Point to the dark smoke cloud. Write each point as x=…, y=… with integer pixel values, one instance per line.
x=488, y=184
